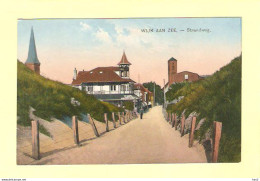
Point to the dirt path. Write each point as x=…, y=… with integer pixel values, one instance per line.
x=150, y=140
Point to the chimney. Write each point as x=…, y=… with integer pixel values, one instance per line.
x=75, y=74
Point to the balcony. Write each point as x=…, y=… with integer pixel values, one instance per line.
x=110, y=92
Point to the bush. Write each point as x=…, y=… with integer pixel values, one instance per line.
x=216, y=98
x=129, y=105
x=53, y=99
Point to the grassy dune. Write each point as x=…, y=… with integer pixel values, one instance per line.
x=216, y=98
x=53, y=99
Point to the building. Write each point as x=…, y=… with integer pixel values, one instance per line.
x=175, y=77
x=184, y=76
x=110, y=84
x=32, y=61
x=145, y=96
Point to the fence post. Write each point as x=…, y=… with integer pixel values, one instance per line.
x=123, y=116
x=119, y=118
x=176, y=121
x=182, y=124
x=130, y=115
x=217, y=126
x=93, y=125
x=75, y=129
x=114, y=121
x=173, y=119
x=127, y=116
x=193, y=123
x=106, y=121
x=35, y=140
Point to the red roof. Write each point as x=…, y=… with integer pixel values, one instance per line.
x=124, y=60
x=99, y=74
x=141, y=87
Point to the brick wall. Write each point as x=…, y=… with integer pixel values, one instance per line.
x=34, y=67
x=180, y=77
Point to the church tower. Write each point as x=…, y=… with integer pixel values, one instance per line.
x=124, y=67
x=32, y=61
x=172, y=69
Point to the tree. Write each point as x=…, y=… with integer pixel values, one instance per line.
x=171, y=94
x=158, y=91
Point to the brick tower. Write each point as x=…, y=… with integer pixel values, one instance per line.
x=32, y=61
x=172, y=69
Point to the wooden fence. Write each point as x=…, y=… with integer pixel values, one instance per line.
x=217, y=127
x=125, y=116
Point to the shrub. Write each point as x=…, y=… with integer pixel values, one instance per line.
x=216, y=98
x=129, y=105
x=53, y=99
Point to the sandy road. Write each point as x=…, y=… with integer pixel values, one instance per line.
x=150, y=140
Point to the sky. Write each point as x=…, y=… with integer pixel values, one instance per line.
x=65, y=44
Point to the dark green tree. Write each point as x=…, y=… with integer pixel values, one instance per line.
x=170, y=95
x=158, y=91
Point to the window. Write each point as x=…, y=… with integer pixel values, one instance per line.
x=186, y=76
x=112, y=87
x=123, y=88
x=90, y=88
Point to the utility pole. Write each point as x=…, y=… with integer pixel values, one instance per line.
x=154, y=94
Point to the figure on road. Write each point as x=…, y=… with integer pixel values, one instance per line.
x=141, y=112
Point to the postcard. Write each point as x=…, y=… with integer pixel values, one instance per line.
x=129, y=91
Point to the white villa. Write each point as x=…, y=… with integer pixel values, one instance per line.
x=110, y=84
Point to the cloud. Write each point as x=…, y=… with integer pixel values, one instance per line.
x=118, y=29
x=103, y=36
x=84, y=26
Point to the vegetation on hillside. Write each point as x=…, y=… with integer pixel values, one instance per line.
x=216, y=98
x=158, y=91
x=170, y=95
x=53, y=99
x=129, y=105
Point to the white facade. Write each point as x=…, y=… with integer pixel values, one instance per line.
x=107, y=89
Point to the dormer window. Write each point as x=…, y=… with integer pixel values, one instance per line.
x=91, y=72
x=101, y=72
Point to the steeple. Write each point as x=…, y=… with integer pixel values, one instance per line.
x=124, y=67
x=32, y=61
x=32, y=54
x=124, y=60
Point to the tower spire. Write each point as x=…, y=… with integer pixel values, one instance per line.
x=124, y=60
x=32, y=54
x=32, y=61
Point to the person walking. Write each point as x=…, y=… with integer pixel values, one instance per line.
x=141, y=112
